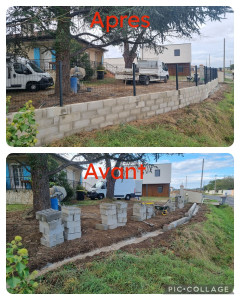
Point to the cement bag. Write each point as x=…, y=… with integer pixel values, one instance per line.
x=78, y=72
x=59, y=192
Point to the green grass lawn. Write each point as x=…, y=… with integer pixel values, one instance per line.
x=17, y=207
x=209, y=123
x=200, y=253
x=154, y=199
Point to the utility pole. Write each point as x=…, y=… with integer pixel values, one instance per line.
x=202, y=174
x=215, y=189
x=223, y=59
x=209, y=61
x=186, y=182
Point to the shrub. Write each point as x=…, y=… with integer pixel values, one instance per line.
x=22, y=130
x=19, y=279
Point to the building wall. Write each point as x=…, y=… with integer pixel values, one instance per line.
x=150, y=178
x=57, y=122
x=19, y=197
x=167, y=56
x=184, y=69
x=117, y=62
x=151, y=190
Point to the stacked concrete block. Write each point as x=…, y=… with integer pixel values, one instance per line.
x=108, y=213
x=171, y=204
x=150, y=211
x=71, y=217
x=139, y=212
x=51, y=227
x=121, y=213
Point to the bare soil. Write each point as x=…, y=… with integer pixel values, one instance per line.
x=47, y=98
x=18, y=224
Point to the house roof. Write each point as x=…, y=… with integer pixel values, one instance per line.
x=56, y=156
x=63, y=159
x=39, y=36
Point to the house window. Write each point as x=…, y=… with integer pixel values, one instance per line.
x=177, y=52
x=157, y=173
x=180, y=69
x=17, y=176
x=160, y=189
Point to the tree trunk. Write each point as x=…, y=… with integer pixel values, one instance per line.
x=110, y=180
x=62, y=48
x=129, y=55
x=40, y=181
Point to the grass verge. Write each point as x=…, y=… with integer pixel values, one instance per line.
x=209, y=123
x=17, y=207
x=199, y=253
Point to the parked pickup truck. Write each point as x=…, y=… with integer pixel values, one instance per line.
x=123, y=189
x=146, y=72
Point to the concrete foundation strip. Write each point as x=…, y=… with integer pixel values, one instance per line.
x=119, y=245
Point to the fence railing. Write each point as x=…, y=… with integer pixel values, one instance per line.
x=25, y=183
x=52, y=86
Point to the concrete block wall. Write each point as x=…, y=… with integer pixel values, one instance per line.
x=108, y=213
x=51, y=227
x=139, y=212
x=58, y=122
x=71, y=217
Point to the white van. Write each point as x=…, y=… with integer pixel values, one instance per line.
x=23, y=74
x=123, y=189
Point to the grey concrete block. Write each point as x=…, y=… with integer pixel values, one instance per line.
x=101, y=227
x=77, y=229
x=48, y=215
x=46, y=243
x=113, y=226
x=107, y=206
x=137, y=218
x=71, y=210
x=108, y=212
x=191, y=210
x=122, y=220
x=121, y=205
x=121, y=224
x=72, y=236
x=70, y=224
x=66, y=217
x=76, y=217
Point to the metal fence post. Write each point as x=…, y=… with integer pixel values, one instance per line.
x=134, y=80
x=204, y=71
x=196, y=76
x=60, y=84
x=176, y=76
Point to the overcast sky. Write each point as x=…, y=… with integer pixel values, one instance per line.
x=210, y=42
x=190, y=165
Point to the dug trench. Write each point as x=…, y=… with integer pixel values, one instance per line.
x=40, y=256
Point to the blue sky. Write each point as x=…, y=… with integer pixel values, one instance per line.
x=190, y=165
x=209, y=42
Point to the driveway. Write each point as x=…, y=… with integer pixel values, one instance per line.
x=229, y=200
